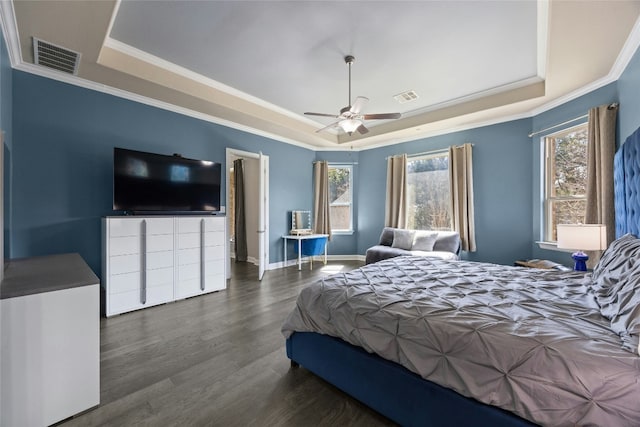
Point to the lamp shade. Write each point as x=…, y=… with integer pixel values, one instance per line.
x=349, y=125
x=582, y=237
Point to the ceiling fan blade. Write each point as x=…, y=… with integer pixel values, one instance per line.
x=381, y=116
x=334, y=124
x=359, y=104
x=362, y=129
x=322, y=115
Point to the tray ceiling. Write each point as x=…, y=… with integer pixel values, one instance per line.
x=259, y=65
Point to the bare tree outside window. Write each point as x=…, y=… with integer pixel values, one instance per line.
x=428, y=204
x=566, y=178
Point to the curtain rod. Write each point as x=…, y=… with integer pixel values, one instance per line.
x=424, y=153
x=335, y=163
x=532, y=134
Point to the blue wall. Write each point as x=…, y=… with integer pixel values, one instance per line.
x=62, y=162
x=502, y=190
x=6, y=124
x=628, y=86
x=59, y=167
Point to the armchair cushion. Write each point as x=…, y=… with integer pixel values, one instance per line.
x=402, y=239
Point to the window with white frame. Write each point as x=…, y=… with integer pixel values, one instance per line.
x=341, y=197
x=428, y=192
x=565, y=179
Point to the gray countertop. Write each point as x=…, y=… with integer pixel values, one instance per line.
x=28, y=276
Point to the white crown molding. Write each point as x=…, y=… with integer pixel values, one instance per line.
x=622, y=61
x=87, y=84
x=430, y=134
x=10, y=32
x=496, y=90
x=626, y=53
x=107, y=34
x=597, y=84
x=542, y=31
x=199, y=78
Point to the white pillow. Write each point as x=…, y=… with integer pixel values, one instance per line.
x=402, y=239
x=424, y=240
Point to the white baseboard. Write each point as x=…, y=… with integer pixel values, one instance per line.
x=250, y=259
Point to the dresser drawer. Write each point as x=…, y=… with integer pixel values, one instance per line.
x=133, y=226
x=159, y=226
x=157, y=260
x=214, y=238
x=126, y=245
x=159, y=242
x=132, y=281
x=127, y=301
x=194, y=224
x=124, y=264
x=120, y=227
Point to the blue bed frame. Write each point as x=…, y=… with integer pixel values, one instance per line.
x=389, y=388
x=405, y=397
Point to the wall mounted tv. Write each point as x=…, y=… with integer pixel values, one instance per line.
x=147, y=182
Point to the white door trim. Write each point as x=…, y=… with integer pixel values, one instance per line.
x=264, y=178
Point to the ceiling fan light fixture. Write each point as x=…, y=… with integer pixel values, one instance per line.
x=351, y=118
x=349, y=125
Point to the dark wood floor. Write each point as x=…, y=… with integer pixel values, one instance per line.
x=217, y=359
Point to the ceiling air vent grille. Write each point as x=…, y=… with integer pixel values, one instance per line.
x=56, y=57
x=407, y=96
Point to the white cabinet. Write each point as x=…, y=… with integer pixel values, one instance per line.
x=153, y=260
x=50, y=340
x=200, y=256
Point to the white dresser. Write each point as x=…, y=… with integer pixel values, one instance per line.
x=152, y=260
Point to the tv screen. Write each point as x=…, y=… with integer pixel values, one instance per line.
x=148, y=182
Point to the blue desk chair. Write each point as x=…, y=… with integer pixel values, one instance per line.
x=312, y=247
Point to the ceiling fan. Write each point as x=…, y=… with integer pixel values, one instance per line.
x=351, y=117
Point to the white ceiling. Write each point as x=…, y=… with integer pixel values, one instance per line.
x=259, y=65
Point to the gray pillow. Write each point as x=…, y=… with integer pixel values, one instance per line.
x=626, y=319
x=424, y=240
x=610, y=274
x=616, y=282
x=386, y=238
x=616, y=253
x=447, y=241
x=402, y=239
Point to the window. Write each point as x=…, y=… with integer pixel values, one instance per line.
x=340, y=197
x=565, y=179
x=428, y=193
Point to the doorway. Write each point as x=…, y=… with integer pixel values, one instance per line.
x=255, y=168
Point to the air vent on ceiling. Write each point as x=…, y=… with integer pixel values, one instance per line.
x=56, y=57
x=407, y=96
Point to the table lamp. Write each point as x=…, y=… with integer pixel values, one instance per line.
x=582, y=237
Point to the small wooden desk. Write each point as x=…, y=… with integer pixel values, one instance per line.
x=300, y=238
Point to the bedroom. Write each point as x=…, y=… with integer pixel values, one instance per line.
x=67, y=132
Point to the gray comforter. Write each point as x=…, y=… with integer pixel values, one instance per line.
x=530, y=341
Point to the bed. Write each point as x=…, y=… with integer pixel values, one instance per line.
x=485, y=344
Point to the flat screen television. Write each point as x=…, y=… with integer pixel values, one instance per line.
x=147, y=182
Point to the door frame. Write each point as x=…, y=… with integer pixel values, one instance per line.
x=264, y=184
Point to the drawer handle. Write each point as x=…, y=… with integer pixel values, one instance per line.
x=143, y=270
x=202, y=269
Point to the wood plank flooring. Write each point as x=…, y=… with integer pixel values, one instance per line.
x=217, y=360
